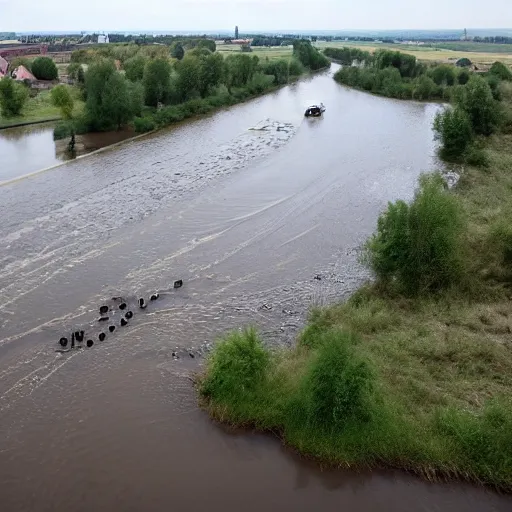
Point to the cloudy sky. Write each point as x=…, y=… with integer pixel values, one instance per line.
x=197, y=15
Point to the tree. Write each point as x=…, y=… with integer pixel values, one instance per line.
x=477, y=101
x=453, y=129
x=43, y=68
x=463, y=77
x=425, y=88
x=108, y=103
x=463, y=63
x=500, y=70
x=207, y=43
x=177, y=51
x=211, y=72
x=443, y=74
x=188, y=82
x=134, y=68
x=117, y=103
x=157, y=80
x=62, y=99
x=136, y=94
x=12, y=97
x=241, y=69
x=73, y=70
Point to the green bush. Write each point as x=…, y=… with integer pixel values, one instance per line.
x=339, y=383
x=463, y=77
x=418, y=247
x=259, y=83
x=477, y=157
x=43, y=68
x=134, y=68
x=477, y=101
x=453, y=129
x=62, y=130
x=295, y=68
x=61, y=98
x=425, y=88
x=443, y=74
x=13, y=97
x=236, y=367
x=501, y=235
x=143, y=124
x=501, y=71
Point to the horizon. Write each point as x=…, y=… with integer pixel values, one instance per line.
x=250, y=15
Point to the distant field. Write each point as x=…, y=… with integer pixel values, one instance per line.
x=427, y=53
x=468, y=46
x=274, y=52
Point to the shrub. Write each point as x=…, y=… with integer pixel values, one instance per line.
x=476, y=157
x=13, y=97
x=339, y=382
x=463, y=77
x=417, y=247
x=43, y=68
x=425, y=88
x=62, y=99
x=260, y=83
x=143, y=124
x=501, y=71
x=295, y=68
x=62, y=130
x=477, y=101
x=453, y=129
x=463, y=63
x=443, y=74
x=501, y=235
x=157, y=80
x=236, y=367
x=134, y=68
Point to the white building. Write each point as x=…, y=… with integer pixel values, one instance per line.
x=103, y=39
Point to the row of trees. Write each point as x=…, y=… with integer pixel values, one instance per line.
x=156, y=91
x=399, y=75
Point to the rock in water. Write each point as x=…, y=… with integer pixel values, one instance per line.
x=122, y=306
x=128, y=315
x=112, y=328
x=63, y=342
x=123, y=322
x=102, y=336
x=103, y=310
x=90, y=343
x=154, y=296
x=178, y=283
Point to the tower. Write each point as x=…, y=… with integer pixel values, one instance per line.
x=465, y=34
x=236, y=32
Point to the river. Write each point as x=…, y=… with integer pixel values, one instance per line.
x=261, y=225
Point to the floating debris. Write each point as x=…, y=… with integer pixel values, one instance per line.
x=142, y=303
x=102, y=336
x=111, y=328
x=155, y=296
x=128, y=315
x=64, y=342
x=90, y=343
x=103, y=318
x=123, y=322
x=122, y=306
x=103, y=310
x=178, y=283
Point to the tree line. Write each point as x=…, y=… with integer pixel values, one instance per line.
x=153, y=91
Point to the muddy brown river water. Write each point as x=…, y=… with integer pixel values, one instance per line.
x=248, y=219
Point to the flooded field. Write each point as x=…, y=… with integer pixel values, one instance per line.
x=261, y=224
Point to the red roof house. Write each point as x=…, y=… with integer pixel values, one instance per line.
x=22, y=73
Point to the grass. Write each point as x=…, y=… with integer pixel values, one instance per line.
x=39, y=109
x=423, y=384
x=427, y=53
x=274, y=52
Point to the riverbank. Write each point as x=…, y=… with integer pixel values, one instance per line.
x=425, y=383
x=39, y=109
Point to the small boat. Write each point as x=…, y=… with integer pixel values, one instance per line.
x=315, y=110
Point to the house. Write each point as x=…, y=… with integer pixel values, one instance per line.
x=21, y=73
x=3, y=67
x=102, y=39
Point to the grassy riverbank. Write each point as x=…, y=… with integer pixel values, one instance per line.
x=418, y=380
x=39, y=109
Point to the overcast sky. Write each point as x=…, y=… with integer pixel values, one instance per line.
x=197, y=15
